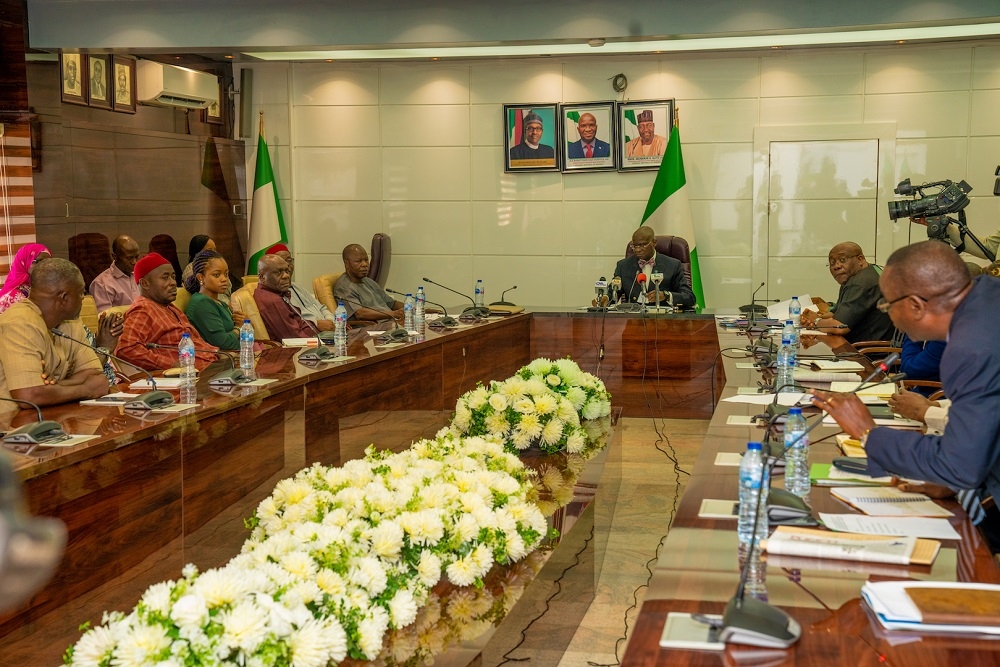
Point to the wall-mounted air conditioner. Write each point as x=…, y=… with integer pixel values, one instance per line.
x=172, y=86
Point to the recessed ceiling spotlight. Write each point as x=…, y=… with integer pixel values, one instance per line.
x=229, y=57
x=435, y=59
x=775, y=47
x=596, y=42
x=901, y=41
x=329, y=60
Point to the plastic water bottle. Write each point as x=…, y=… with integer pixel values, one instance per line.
x=795, y=312
x=480, y=293
x=753, y=495
x=246, y=349
x=185, y=360
x=408, y=312
x=797, y=455
x=340, y=325
x=419, y=309
x=792, y=334
x=784, y=379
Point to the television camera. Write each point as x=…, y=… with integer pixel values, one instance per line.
x=934, y=202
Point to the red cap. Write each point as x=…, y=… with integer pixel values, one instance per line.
x=276, y=248
x=146, y=264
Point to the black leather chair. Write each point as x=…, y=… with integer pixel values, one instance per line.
x=380, y=259
x=672, y=246
x=91, y=252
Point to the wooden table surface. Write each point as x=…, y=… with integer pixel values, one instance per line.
x=698, y=569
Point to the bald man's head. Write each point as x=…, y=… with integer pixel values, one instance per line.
x=930, y=269
x=355, y=262
x=845, y=261
x=125, y=253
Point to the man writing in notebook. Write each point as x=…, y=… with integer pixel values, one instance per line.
x=928, y=294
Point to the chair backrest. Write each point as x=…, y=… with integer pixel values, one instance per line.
x=242, y=301
x=88, y=314
x=91, y=252
x=323, y=289
x=182, y=299
x=380, y=259
x=672, y=246
x=165, y=245
x=249, y=279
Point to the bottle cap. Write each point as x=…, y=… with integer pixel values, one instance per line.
x=246, y=321
x=795, y=411
x=185, y=335
x=795, y=297
x=788, y=322
x=754, y=446
x=340, y=303
x=409, y=294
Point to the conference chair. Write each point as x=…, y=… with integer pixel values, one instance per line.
x=323, y=289
x=88, y=313
x=242, y=301
x=672, y=246
x=380, y=259
x=182, y=299
x=91, y=252
x=166, y=247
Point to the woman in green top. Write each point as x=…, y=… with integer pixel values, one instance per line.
x=214, y=321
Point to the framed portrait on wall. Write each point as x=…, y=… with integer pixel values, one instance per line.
x=643, y=129
x=588, y=132
x=73, y=75
x=123, y=84
x=213, y=112
x=531, y=137
x=99, y=90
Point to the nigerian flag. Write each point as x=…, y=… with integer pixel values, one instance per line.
x=669, y=211
x=267, y=227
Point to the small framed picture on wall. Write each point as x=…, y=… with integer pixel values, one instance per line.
x=124, y=84
x=213, y=112
x=531, y=137
x=100, y=94
x=643, y=129
x=588, y=132
x=73, y=72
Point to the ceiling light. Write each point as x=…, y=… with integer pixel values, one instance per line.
x=596, y=42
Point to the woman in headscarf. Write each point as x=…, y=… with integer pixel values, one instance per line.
x=15, y=288
x=18, y=286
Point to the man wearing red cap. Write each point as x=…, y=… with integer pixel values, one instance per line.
x=153, y=318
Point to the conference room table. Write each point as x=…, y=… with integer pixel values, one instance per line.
x=698, y=569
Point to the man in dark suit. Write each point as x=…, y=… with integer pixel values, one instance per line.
x=589, y=145
x=927, y=293
x=531, y=147
x=676, y=286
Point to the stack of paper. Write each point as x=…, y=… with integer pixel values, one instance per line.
x=887, y=389
x=826, y=474
x=935, y=606
x=901, y=526
x=837, y=365
x=813, y=543
x=889, y=501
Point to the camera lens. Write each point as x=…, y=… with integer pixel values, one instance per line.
x=900, y=209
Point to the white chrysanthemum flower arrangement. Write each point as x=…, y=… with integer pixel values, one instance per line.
x=337, y=558
x=545, y=405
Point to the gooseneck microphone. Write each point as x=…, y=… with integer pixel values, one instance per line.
x=219, y=353
x=880, y=367
x=146, y=401
x=447, y=322
x=475, y=310
x=503, y=294
x=35, y=433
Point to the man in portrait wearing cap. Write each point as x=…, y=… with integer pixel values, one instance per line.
x=153, y=318
x=648, y=142
x=310, y=308
x=531, y=147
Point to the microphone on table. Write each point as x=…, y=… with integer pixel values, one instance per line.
x=601, y=290
x=475, y=311
x=226, y=378
x=614, y=290
x=502, y=301
x=446, y=322
x=880, y=367
x=641, y=279
x=145, y=401
x=36, y=433
x=751, y=621
x=397, y=333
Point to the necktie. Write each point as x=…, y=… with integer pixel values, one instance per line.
x=588, y=150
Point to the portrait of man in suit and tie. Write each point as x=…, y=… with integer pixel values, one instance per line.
x=588, y=131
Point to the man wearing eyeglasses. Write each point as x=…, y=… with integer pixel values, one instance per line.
x=929, y=296
x=675, y=289
x=855, y=316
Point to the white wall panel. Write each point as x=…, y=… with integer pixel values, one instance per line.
x=581, y=273
x=590, y=80
x=328, y=226
x=328, y=84
x=515, y=83
x=426, y=173
x=338, y=173
x=923, y=160
x=599, y=227
x=723, y=227
x=831, y=109
x=540, y=280
x=490, y=183
x=517, y=228
x=919, y=115
x=926, y=70
x=986, y=70
x=425, y=125
x=814, y=75
x=984, y=156
x=726, y=280
x=336, y=126
x=718, y=120
x=985, y=112
x=719, y=171
x=432, y=227
x=423, y=84
x=632, y=186
x=487, y=124
x=711, y=78
x=455, y=271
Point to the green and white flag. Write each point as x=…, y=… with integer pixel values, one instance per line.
x=669, y=211
x=267, y=227
x=630, y=128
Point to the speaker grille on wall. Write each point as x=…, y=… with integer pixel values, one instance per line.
x=246, y=103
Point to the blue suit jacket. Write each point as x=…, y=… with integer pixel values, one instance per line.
x=967, y=455
x=601, y=149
